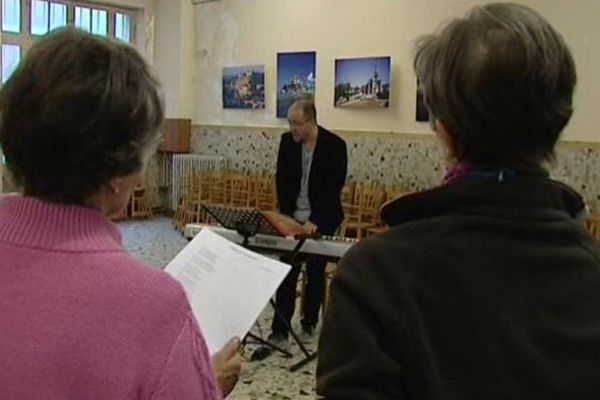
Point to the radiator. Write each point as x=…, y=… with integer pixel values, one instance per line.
x=181, y=167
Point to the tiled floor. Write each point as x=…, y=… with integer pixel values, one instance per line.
x=156, y=242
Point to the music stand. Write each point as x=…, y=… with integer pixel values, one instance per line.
x=248, y=222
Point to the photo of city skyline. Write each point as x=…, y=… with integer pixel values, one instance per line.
x=244, y=87
x=362, y=82
x=295, y=79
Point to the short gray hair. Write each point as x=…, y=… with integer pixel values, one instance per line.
x=308, y=109
x=501, y=80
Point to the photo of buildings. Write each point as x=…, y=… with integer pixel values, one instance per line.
x=244, y=87
x=362, y=82
x=295, y=79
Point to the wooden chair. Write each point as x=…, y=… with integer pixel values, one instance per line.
x=240, y=194
x=190, y=203
x=216, y=186
x=179, y=214
x=196, y=194
x=364, y=212
x=140, y=200
x=252, y=182
x=391, y=193
x=265, y=194
x=347, y=196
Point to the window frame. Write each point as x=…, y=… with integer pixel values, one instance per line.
x=2, y=31
x=25, y=39
x=30, y=16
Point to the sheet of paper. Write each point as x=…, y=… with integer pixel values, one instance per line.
x=227, y=285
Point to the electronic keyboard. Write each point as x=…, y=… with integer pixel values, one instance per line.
x=332, y=247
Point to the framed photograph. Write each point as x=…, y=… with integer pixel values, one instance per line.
x=362, y=82
x=296, y=74
x=422, y=112
x=244, y=87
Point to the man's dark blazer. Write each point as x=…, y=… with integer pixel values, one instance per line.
x=326, y=179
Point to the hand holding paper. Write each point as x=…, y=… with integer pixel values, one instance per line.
x=226, y=364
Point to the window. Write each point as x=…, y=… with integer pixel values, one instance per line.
x=39, y=17
x=58, y=15
x=25, y=21
x=100, y=22
x=11, y=16
x=83, y=18
x=47, y=16
x=92, y=20
x=122, y=27
x=11, y=55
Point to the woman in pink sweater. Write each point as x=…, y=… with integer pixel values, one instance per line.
x=79, y=317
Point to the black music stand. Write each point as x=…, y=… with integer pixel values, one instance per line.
x=248, y=222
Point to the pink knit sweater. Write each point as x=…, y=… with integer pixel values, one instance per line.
x=81, y=319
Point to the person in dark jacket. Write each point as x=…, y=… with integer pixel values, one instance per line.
x=488, y=286
x=311, y=172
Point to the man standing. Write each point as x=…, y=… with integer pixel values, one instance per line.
x=311, y=171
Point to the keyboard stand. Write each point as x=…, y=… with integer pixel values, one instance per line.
x=268, y=347
x=248, y=223
x=308, y=356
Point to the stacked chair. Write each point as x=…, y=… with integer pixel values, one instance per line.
x=227, y=188
x=361, y=201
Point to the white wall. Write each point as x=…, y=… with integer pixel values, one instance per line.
x=239, y=32
x=187, y=68
x=167, y=50
x=173, y=59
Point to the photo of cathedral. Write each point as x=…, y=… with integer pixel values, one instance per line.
x=362, y=82
x=295, y=79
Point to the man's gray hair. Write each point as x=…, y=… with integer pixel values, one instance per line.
x=308, y=109
x=501, y=81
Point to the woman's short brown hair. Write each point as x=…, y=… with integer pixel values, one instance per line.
x=501, y=81
x=78, y=111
